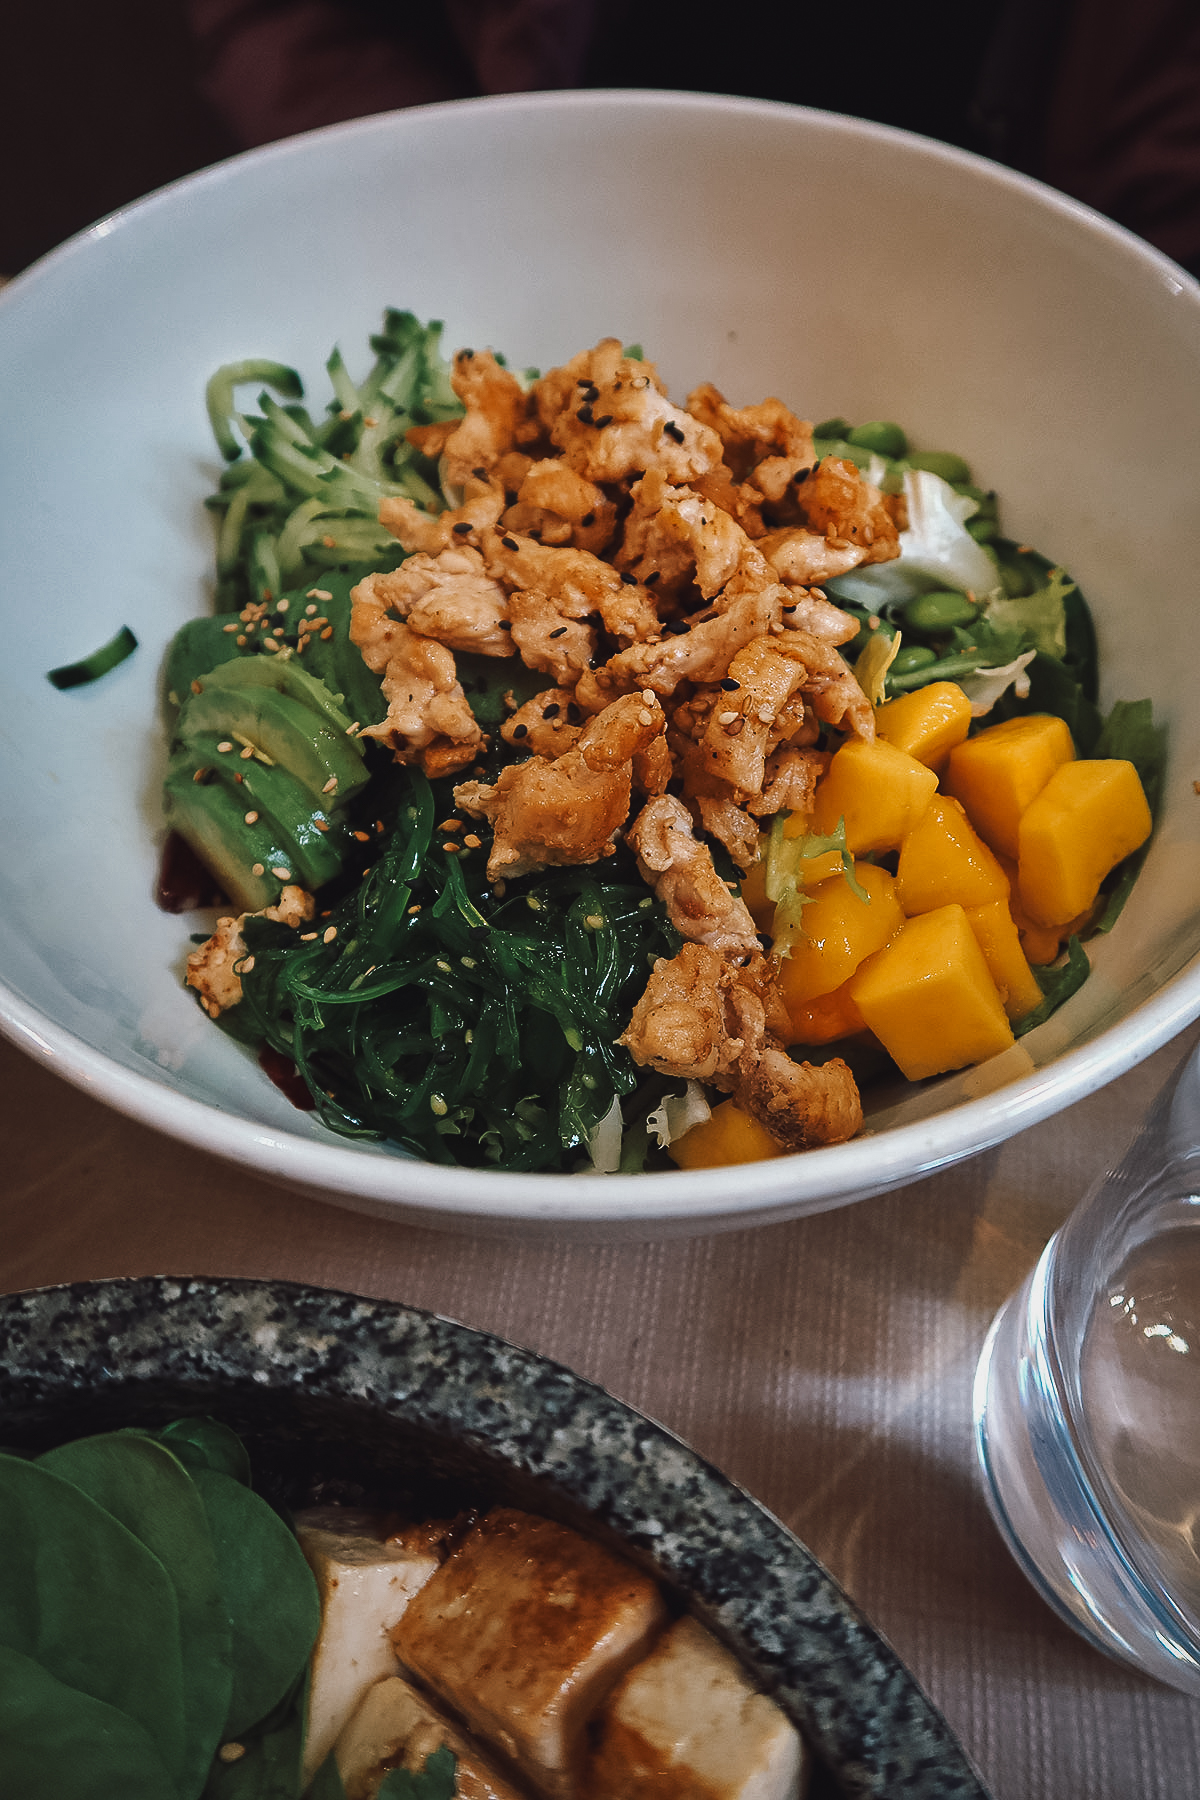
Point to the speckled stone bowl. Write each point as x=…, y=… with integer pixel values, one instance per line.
x=369, y=1402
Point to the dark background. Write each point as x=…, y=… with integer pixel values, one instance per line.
x=102, y=103
x=100, y=106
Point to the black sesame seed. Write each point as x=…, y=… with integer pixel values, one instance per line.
x=574, y=714
x=629, y=578
x=652, y=578
x=510, y=543
x=552, y=711
x=561, y=632
x=602, y=422
x=480, y=474
x=800, y=477
x=520, y=731
x=584, y=415
x=463, y=527
x=504, y=624
x=588, y=519
x=730, y=685
x=677, y=627
x=673, y=431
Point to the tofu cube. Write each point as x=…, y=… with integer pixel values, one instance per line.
x=686, y=1722
x=398, y=1728
x=365, y=1583
x=522, y=1631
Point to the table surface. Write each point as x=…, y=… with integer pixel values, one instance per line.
x=826, y=1365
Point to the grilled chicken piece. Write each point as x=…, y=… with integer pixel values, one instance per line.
x=523, y=1631
x=212, y=969
x=610, y=417
x=398, y=1728
x=680, y=870
x=365, y=1583
x=685, y=1724
x=568, y=810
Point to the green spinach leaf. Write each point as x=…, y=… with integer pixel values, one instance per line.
x=85, y=1598
x=143, y=1487
x=270, y=1594
x=55, y=1739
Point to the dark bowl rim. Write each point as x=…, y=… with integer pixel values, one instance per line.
x=874, y=1727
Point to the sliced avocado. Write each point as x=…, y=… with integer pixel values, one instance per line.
x=279, y=730
x=284, y=674
x=207, y=816
x=335, y=659
x=196, y=648
x=316, y=844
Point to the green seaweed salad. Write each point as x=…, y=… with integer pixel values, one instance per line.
x=471, y=1026
x=156, y=1622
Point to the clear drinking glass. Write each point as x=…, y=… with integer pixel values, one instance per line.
x=1087, y=1404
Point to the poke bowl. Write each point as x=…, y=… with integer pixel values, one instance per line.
x=745, y=249
x=368, y=1404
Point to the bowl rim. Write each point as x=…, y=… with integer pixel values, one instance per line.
x=745, y=1570
x=455, y=1198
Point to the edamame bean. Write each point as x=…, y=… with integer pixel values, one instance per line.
x=951, y=468
x=879, y=435
x=866, y=632
x=910, y=658
x=939, y=611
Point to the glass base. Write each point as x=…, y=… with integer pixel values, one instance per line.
x=1047, y=1509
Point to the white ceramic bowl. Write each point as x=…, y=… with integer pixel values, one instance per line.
x=847, y=267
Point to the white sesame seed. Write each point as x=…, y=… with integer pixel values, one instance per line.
x=252, y=818
x=281, y=606
x=330, y=786
x=283, y=874
x=329, y=933
x=308, y=937
x=225, y=745
x=257, y=869
x=247, y=965
x=438, y=1105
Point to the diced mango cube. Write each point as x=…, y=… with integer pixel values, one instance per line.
x=825, y=1019
x=998, y=772
x=1040, y=943
x=880, y=791
x=1000, y=942
x=728, y=1136
x=929, y=998
x=928, y=723
x=835, y=932
x=943, y=858
x=1088, y=818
